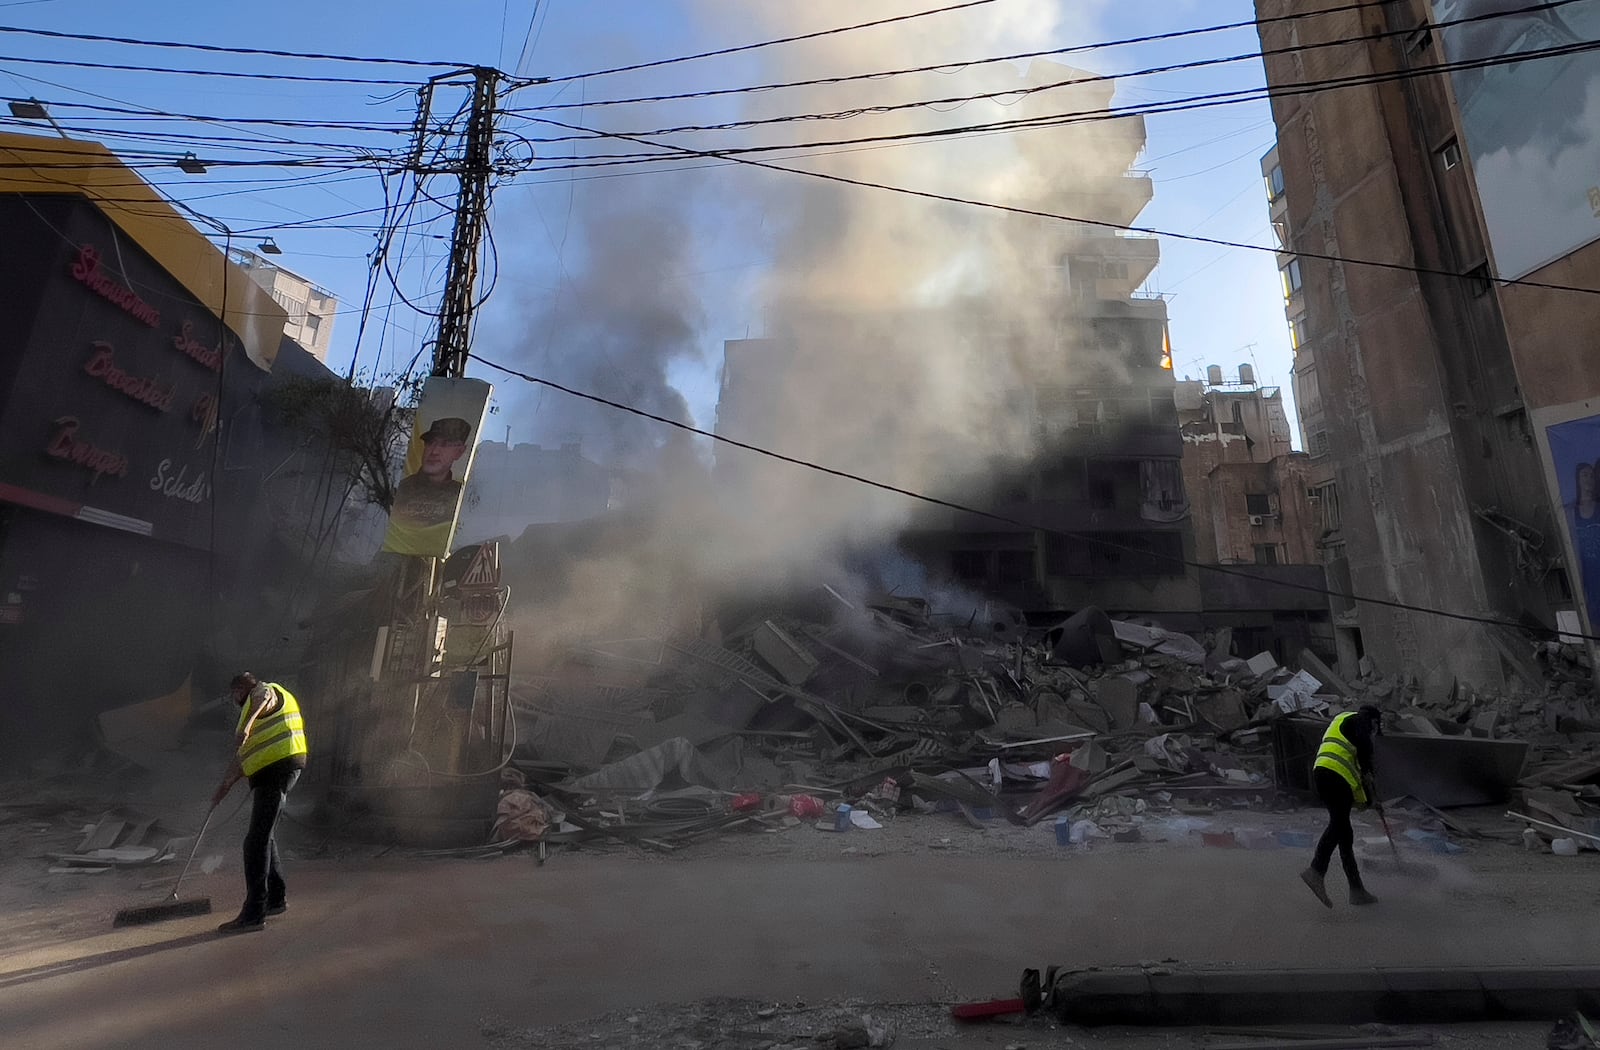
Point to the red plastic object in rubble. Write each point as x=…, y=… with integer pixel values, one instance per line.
x=746, y=802
x=806, y=807
x=993, y=1008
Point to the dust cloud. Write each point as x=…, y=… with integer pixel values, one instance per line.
x=895, y=337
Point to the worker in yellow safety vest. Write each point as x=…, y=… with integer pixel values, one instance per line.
x=269, y=750
x=1342, y=775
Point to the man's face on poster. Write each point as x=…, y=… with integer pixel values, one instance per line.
x=439, y=456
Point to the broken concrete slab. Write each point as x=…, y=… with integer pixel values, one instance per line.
x=1225, y=710
x=1262, y=664
x=1297, y=694
x=1090, y=757
x=646, y=770
x=1416, y=725
x=1439, y=693
x=1168, y=643
x=792, y=661
x=1119, y=697
x=1584, y=769
x=1331, y=681
x=103, y=835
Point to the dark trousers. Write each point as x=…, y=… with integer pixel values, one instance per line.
x=1335, y=793
x=263, y=878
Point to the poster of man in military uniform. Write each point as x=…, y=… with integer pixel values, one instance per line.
x=427, y=500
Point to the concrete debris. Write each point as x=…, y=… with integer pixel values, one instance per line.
x=880, y=705
x=1262, y=664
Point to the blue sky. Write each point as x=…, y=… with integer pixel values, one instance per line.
x=1224, y=304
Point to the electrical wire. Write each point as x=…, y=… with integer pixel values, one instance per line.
x=1007, y=519
x=1192, y=102
x=764, y=43
x=1074, y=81
x=1097, y=223
x=943, y=67
x=55, y=34
x=146, y=113
x=230, y=74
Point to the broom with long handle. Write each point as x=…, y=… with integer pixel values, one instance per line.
x=171, y=907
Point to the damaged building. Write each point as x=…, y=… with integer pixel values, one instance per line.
x=1253, y=505
x=1094, y=509
x=1437, y=232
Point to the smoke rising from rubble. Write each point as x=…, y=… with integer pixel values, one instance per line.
x=902, y=339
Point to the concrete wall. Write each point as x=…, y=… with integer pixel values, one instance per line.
x=1411, y=369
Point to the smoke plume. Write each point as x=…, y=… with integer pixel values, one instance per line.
x=891, y=336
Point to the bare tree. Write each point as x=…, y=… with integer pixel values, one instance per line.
x=364, y=429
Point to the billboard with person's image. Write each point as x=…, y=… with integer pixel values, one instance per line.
x=444, y=439
x=1532, y=128
x=1575, y=453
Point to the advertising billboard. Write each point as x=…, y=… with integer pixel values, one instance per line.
x=444, y=440
x=1532, y=128
x=1575, y=453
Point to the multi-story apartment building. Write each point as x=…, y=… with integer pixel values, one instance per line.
x=1440, y=220
x=1099, y=515
x=311, y=308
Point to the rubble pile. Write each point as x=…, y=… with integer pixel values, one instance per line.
x=877, y=710
x=853, y=714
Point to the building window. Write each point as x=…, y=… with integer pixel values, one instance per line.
x=1450, y=155
x=1296, y=332
x=1319, y=443
x=1275, y=182
x=970, y=566
x=1115, y=554
x=1256, y=503
x=313, y=323
x=1267, y=554
x=1015, y=566
x=1291, y=278
x=1326, y=498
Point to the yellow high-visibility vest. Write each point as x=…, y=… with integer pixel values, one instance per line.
x=274, y=737
x=1339, y=754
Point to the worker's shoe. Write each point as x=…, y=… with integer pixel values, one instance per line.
x=278, y=909
x=1359, y=895
x=242, y=924
x=1314, y=881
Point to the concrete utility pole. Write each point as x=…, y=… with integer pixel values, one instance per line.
x=419, y=720
x=472, y=219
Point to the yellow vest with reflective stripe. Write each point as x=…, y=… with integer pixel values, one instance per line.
x=274, y=737
x=1339, y=754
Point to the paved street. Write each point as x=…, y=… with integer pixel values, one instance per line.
x=410, y=953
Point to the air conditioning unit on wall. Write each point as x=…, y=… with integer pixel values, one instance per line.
x=1258, y=519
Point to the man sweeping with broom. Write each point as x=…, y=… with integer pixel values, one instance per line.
x=1342, y=775
x=271, y=753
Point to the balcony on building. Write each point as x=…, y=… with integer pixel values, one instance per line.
x=1114, y=267
x=1116, y=199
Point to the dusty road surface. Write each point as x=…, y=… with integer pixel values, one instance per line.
x=729, y=948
